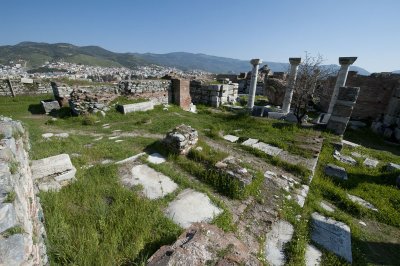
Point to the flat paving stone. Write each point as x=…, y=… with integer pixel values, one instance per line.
x=131, y=159
x=191, y=206
x=280, y=234
x=268, y=149
x=156, y=158
x=155, y=184
x=326, y=206
x=335, y=171
x=12, y=250
x=47, y=135
x=344, y=158
x=249, y=142
x=313, y=256
x=362, y=202
x=231, y=138
x=333, y=235
x=371, y=163
x=351, y=144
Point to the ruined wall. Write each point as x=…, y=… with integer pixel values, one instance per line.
x=22, y=88
x=375, y=93
x=159, y=91
x=21, y=229
x=214, y=95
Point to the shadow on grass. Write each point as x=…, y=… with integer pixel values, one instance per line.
x=386, y=178
x=381, y=253
x=36, y=109
x=368, y=139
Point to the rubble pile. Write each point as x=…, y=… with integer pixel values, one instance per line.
x=231, y=166
x=181, y=139
x=84, y=101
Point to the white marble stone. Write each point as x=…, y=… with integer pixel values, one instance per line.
x=249, y=142
x=362, y=202
x=281, y=233
x=313, y=256
x=231, y=138
x=371, y=163
x=327, y=207
x=191, y=206
x=268, y=149
x=156, y=158
x=155, y=184
x=333, y=235
x=131, y=159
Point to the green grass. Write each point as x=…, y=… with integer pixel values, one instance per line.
x=12, y=231
x=374, y=185
x=96, y=212
x=10, y=197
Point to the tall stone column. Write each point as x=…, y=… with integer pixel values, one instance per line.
x=287, y=100
x=253, y=82
x=345, y=63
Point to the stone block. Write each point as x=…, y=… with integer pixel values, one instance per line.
x=344, y=158
x=333, y=235
x=335, y=171
x=49, y=106
x=156, y=158
x=190, y=207
x=371, y=163
x=362, y=202
x=8, y=217
x=55, y=169
x=136, y=107
x=393, y=167
x=268, y=149
x=181, y=139
x=12, y=250
x=249, y=142
x=231, y=138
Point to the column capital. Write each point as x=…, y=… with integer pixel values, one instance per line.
x=347, y=60
x=256, y=61
x=295, y=60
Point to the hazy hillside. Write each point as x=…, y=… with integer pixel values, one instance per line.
x=38, y=53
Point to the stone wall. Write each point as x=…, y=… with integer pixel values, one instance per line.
x=21, y=220
x=23, y=88
x=214, y=95
x=375, y=93
x=158, y=91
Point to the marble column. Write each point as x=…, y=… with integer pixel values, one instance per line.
x=253, y=83
x=345, y=63
x=287, y=100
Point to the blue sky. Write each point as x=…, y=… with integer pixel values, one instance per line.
x=271, y=30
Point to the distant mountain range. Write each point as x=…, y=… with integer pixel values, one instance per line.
x=38, y=53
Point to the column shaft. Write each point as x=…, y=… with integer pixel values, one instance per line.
x=287, y=100
x=253, y=82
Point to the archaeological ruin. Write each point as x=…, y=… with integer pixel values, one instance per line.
x=223, y=163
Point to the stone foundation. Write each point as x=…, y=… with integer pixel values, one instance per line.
x=21, y=223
